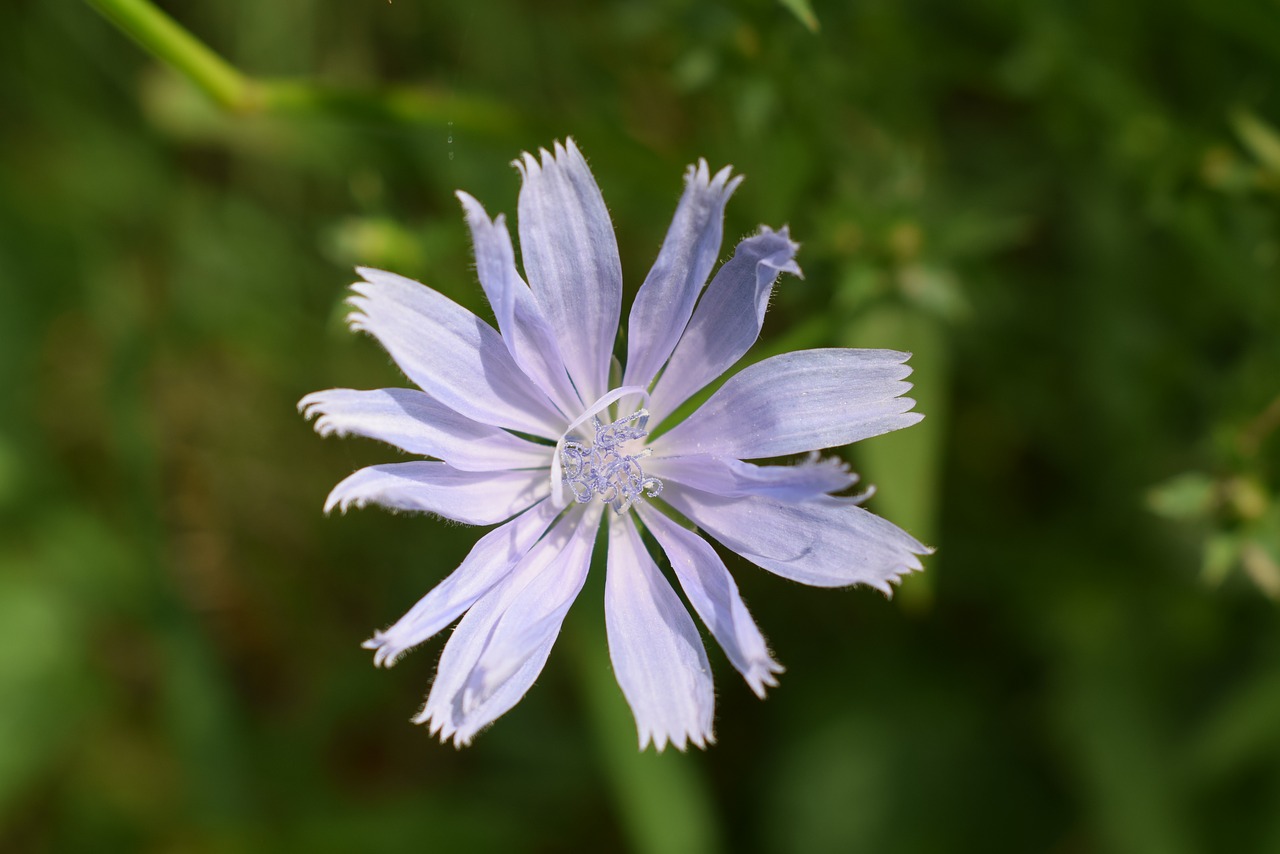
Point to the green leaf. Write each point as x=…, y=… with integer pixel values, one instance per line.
x=1187, y=496
x=1221, y=551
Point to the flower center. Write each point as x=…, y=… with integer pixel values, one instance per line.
x=602, y=468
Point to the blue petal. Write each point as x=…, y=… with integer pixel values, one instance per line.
x=665, y=301
x=798, y=402
x=825, y=542
x=488, y=563
x=451, y=354
x=714, y=595
x=525, y=331
x=414, y=422
x=727, y=320
x=501, y=644
x=732, y=478
x=657, y=654
x=571, y=258
x=474, y=498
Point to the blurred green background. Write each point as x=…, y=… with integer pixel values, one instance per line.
x=1067, y=210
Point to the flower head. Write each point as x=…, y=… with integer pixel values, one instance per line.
x=523, y=430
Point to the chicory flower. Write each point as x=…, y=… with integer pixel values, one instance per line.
x=524, y=429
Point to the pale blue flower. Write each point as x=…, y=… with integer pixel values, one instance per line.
x=526, y=431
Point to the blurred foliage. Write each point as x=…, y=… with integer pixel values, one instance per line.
x=1067, y=210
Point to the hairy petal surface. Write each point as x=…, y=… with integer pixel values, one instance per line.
x=714, y=595
x=444, y=712
x=525, y=331
x=798, y=402
x=665, y=301
x=451, y=354
x=657, y=654
x=502, y=643
x=824, y=542
x=474, y=498
x=417, y=423
x=727, y=320
x=571, y=258
x=488, y=563
x=732, y=478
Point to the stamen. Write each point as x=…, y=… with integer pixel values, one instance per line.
x=601, y=470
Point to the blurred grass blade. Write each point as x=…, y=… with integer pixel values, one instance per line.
x=908, y=463
x=663, y=800
x=1260, y=138
x=802, y=10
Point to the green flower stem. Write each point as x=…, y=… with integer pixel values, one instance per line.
x=241, y=94
x=663, y=800
x=400, y=105
x=165, y=38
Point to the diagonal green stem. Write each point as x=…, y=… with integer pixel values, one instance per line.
x=239, y=93
x=168, y=41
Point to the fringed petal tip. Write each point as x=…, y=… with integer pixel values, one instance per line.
x=471, y=208
x=762, y=676
x=528, y=165
x=477, y=217
x=782, y=260
x=893, y=579
x=680, y=741
x=722, y=184
x=358, y=317
x=386, y=653
x=342, y=498
x=316, y=405
x=438, y=727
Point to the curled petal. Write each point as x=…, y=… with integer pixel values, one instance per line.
x=571, y=258
x=714, y=595
x=525, y=331
x=727, y=320
x=450, y=354
x=665, y=301
x=501, y=644
x=475, y=498
x=657, y=655
x=488, y=563
x=415, y=422
x=825, y=542
x=798, y=402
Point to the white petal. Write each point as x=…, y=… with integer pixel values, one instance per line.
x=733, y=478
x=727, y=320
x=451, y=354
x=525, y=331
x=501, y=644
x=665, y=301
x=656, y=651
x=798, y=402
x=414, y=422
x=476, y=498
x=571, y=258
x=714, y=595
x=826, y=542
x=488, y=563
